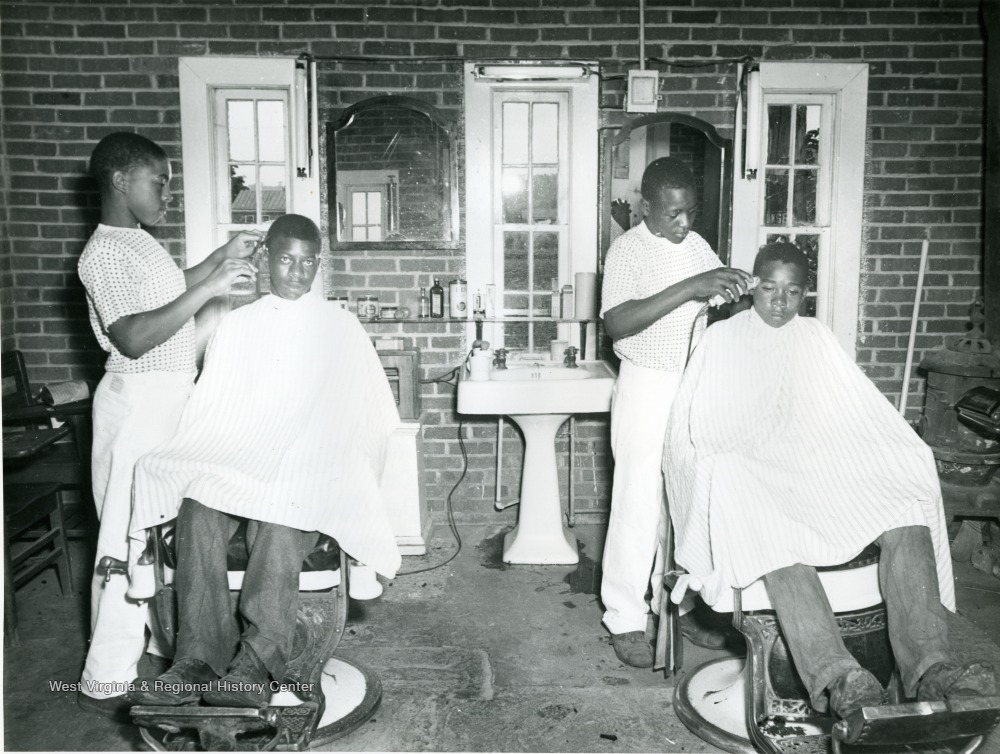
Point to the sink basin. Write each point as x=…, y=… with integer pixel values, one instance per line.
x=546, y=389
x=533, y=373
x=539, y=398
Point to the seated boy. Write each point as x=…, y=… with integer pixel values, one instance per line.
x=287, y=428
x=782, y=456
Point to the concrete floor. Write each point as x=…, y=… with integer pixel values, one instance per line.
x=474, y=656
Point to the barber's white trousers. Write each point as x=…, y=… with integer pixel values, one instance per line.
x=640, y=407
x=133, y=414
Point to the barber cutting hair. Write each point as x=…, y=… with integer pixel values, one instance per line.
x=656, y=278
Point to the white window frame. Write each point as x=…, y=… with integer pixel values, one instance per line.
x=839, y=273
x=199, y=78
x=560, y=229
x=223, y=207
x=582, y=151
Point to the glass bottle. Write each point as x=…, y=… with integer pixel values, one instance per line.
x=437, y=299
x=425, y=304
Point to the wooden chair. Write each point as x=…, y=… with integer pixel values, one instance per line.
x=33, y=524
x=66, y=463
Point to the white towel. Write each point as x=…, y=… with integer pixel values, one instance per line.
x=288, y=424
x=780, y=451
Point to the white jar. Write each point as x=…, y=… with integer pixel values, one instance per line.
x=458, y=298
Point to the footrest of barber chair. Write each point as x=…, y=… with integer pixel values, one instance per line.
x=919, y=722
x=210, y=728
x=349, y=696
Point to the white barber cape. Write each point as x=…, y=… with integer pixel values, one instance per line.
x=288, y=424
x=779, y=450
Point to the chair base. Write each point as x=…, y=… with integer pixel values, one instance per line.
x=352, y=694
x=711, y=702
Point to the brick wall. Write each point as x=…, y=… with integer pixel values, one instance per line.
x=75, y=71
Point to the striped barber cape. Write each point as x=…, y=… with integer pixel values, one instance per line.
x=288, y=424
x=779, y=450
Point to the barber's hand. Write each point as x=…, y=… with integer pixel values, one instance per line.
x=242, y=245
x=727, y=282
x=227, y=272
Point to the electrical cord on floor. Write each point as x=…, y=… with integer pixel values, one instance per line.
x=446, y=379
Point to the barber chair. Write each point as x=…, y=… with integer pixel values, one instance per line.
x=759, y=704
x=333, y=696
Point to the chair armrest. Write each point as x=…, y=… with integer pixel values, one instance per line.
x=43, y=412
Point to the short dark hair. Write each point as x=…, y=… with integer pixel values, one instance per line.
x=781, y=252
x=123, y=151
x=293, y=226
x=665, y=173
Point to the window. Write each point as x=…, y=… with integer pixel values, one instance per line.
x=253, y=151
x=239, y=129
x=530, y=209
x=531, y=181
x=809, y=185
x=796, y=182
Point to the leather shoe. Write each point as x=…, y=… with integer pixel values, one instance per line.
x=115, y=707
x=709, y=637
x=247, y=684
x=633, y=649
x=853, y=690
x=184, y=683
x=945, y=680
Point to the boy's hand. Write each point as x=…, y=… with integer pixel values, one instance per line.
x=227, y=272
x=727, y=282
x=242, y=245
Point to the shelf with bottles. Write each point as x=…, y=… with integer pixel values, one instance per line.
x=473, y=320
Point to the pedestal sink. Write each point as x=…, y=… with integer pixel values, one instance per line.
x=539, y=398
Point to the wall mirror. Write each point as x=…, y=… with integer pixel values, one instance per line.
x=392, y=176
x=628, y=150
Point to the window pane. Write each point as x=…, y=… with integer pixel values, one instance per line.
x=515, y=335
x=374, y=232
x=776, y=198
x=804, y=198
x=807, y=134
x=515, y=195
x=545, y=133
x=545, y=195
x=515, y=303
x=272, y=192
x=515, y=133
x=374, y=208
x=515, y=261
x=239, y=122
x=243, y=194
x=359, y=209
x=271, y=130
x=779, y=122
x=545, y=333
x=359, y=233
x=545, y=265
x=810, y=245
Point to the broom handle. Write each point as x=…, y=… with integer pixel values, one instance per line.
x=905, y=392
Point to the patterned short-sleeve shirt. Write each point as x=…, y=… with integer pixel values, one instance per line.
x=126, y=271
x=640, y=264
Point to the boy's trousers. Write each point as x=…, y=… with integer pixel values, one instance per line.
x=916, y=619
x=268, y=601
x=133, y=414
x=640, y=407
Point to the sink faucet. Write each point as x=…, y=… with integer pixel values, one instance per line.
x=570, y=360
x=500, y=358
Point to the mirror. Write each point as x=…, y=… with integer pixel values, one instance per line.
x=644, y=139
x=392, y=176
